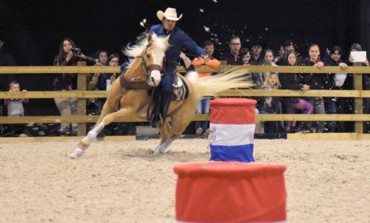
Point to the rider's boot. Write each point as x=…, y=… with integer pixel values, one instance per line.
x=159, y=119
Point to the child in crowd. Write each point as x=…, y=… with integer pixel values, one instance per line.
x=15, y=108
x=270, y=105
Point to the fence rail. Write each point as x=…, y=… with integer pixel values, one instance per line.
x=358, y=94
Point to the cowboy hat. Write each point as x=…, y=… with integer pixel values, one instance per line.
x=169, y=14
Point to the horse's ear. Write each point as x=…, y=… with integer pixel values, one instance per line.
x=167, y=39
x=150, y=37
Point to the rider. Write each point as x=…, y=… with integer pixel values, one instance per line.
x=178, y=41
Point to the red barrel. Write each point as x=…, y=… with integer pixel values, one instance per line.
x=230, y=192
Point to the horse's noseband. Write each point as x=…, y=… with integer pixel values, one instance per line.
x=152, y=67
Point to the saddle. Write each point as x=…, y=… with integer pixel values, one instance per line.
x=180, y=92
x=180, y=89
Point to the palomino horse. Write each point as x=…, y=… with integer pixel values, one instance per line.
x=131, y=90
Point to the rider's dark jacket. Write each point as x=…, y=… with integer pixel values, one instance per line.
x=179, y=40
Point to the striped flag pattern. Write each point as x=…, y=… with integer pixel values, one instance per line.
x=232, y=124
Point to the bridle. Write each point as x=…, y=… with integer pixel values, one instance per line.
x=151, y=67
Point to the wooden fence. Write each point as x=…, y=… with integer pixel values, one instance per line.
x=82, y=94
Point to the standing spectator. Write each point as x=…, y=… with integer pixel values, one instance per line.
x=15, y=108
x=366, y=84
x=259, y=78
x=102, y=57
x=288, y=45
x=334, y=81
x=66, y=82
x=233, y=57
x=257, y=58
x=103, y=81
x=246, y=56
x=291, y=105
x=316, y=82
x=6, y=59
x=203, y=104
x=281, y=53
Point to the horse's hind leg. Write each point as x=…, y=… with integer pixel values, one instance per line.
x=90, y=137
x=183, y=116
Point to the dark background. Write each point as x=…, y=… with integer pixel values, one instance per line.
x=33, y=30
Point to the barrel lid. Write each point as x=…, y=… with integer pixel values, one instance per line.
x=229, y=169
x=233, y=102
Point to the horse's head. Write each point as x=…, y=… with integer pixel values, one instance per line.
x=150, y=52
x=153, y=57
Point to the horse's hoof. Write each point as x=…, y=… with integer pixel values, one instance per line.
x=73, y=156
x=163, y=150
x=156, y=150
x=160, y=149
x=76, y=154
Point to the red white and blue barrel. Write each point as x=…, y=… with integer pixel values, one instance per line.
x=232, y=125
x=230, y=192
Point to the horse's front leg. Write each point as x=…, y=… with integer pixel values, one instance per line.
x=91, y=135
x=114, y=95
x=166, y=140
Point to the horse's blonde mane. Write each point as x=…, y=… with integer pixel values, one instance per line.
x=137, y=49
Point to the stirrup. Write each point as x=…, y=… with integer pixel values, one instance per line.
x=156, y=122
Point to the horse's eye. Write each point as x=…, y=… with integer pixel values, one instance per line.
x=148, y=56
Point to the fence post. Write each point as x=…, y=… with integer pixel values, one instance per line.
x=81, y=102
x=359, y=105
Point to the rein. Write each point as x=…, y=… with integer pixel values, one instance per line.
x=140, y=82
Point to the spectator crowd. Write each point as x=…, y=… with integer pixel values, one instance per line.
x=237, y=54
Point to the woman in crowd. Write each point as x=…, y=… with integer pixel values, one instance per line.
x=66, y=82
x=290, y=82
x=246, y=56
x=335, y=82
x=315, y=82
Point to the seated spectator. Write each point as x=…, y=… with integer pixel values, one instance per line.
x=15, y=108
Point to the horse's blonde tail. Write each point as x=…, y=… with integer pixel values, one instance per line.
x=214, y=85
